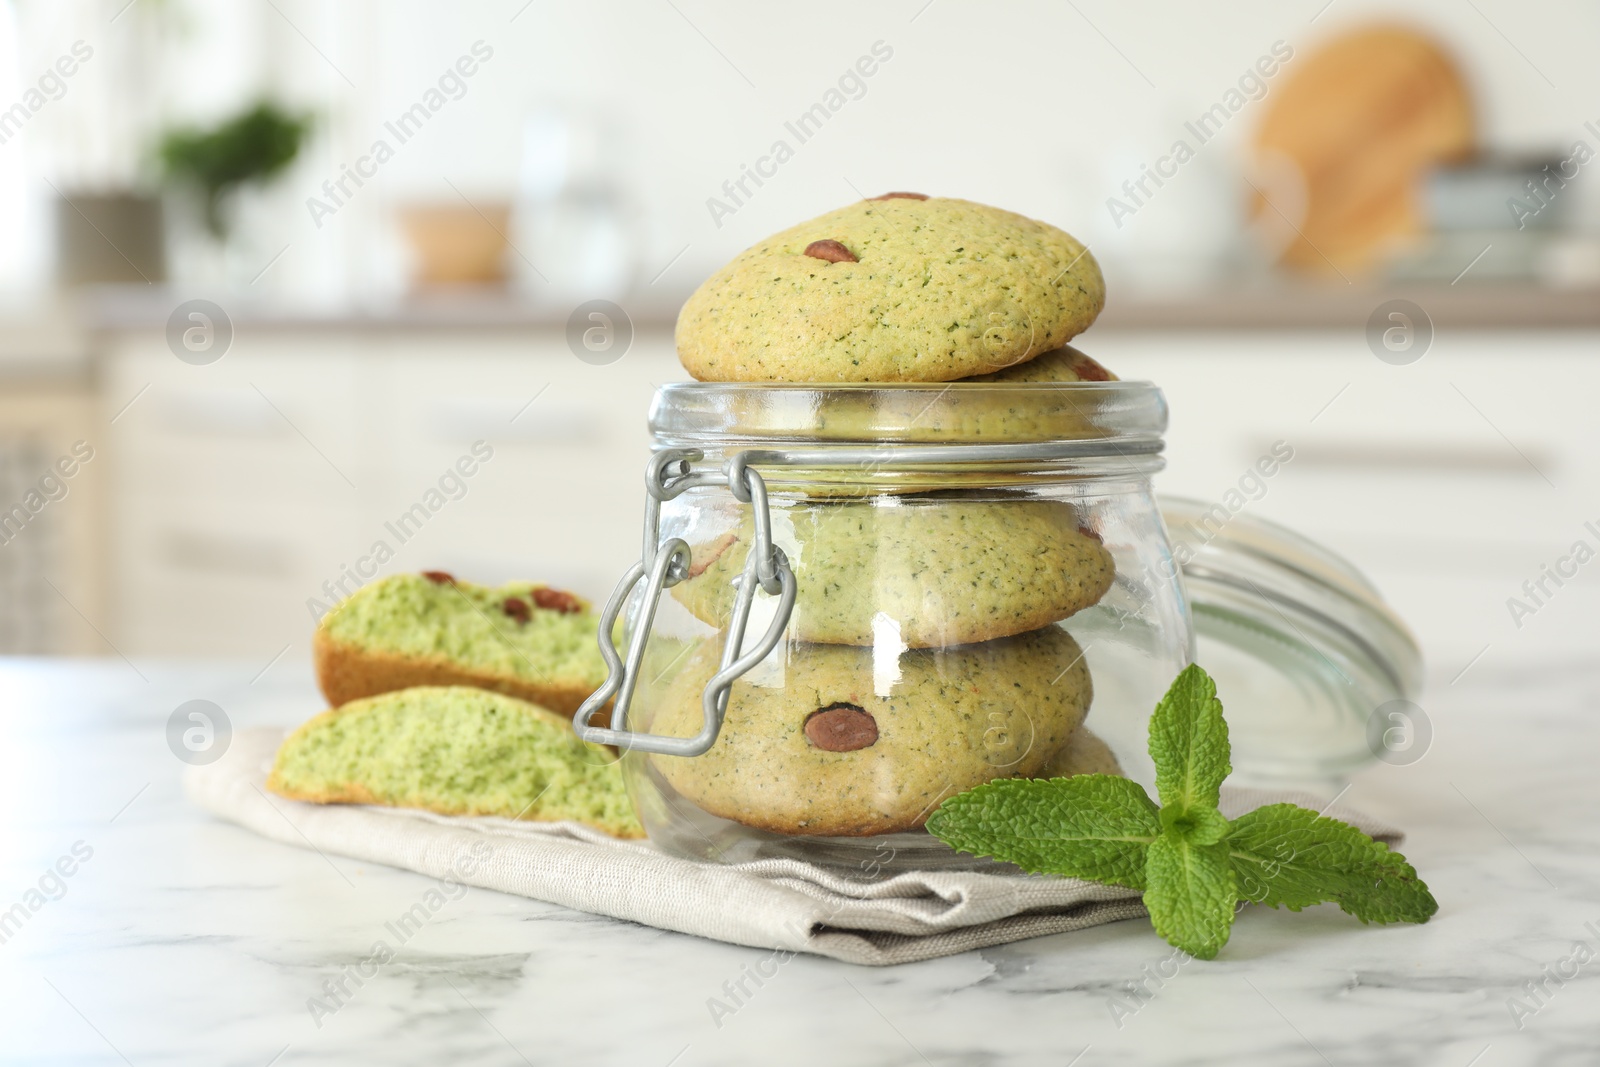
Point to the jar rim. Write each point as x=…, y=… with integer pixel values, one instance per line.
x=1115, y=413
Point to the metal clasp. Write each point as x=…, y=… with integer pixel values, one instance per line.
x=665, y=564
x=671, y=472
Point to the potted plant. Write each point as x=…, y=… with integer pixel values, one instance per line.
x=251, y=148
x=206, y=169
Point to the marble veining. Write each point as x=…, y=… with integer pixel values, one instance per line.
x=186, y=940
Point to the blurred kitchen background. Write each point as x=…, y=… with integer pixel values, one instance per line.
x=269, y=267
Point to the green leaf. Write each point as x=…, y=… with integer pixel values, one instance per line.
x=1092, y=826
x=1198, y=826
x=1190, y=894
x=1189, y=742
x=1287, y=856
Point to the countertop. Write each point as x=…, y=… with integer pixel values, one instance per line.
x=1262, y=304
x=182, y=939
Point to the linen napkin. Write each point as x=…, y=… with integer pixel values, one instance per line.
x=781, y=904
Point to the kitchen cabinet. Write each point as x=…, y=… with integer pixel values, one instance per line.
x=244, y=489
x=1449, y=481
x=52, y=467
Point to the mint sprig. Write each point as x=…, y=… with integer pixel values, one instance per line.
x=1192, y=863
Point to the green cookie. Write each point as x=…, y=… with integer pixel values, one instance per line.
x=1084, y=753
x=1065, y=364
x=927, y=571
x=831, y=741
x=892, y=290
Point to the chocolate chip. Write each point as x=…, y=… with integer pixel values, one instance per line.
x=517, y=608
x=901, y=196
x=440, y=577
x=841, y=727
x=557, y=600
x=832, y=251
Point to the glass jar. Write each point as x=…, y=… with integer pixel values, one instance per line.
x=856, y=601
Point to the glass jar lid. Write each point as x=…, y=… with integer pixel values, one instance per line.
x=1309, y=659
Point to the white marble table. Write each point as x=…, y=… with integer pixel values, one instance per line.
x=181, y=939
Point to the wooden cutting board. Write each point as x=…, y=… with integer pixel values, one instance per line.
x=1345, y=139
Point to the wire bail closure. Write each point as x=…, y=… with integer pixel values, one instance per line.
x=665, y=564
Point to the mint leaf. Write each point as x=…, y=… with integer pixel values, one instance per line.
x=1288, y=856
x=1189, y=742
x=1198, y=826
x=1092, y=826
x=1190, y=894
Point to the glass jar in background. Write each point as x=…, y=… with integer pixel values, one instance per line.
x=857, y=601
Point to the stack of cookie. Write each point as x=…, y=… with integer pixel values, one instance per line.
x=925, y=653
